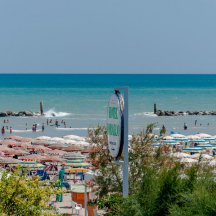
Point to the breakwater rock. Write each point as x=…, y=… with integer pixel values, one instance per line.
x=21, y=113
x=182, y=113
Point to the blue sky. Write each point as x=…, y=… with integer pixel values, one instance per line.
x=112, y=36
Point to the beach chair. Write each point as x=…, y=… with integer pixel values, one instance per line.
x=76, y=207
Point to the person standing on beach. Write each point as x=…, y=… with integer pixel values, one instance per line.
x=11, y=130
x=3, y=131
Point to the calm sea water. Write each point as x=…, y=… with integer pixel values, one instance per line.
x=81, y=100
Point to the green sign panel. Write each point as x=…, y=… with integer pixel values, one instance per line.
x=115, y=124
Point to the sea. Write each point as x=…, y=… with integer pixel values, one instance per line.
x=81, y=101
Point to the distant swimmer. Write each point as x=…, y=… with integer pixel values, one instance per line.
x=11, y=130
x=185, y=126
x=43, y=127
x=195, y=122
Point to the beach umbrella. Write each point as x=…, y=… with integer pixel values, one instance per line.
x=72, y=148
x=168, y=138
x=83, y=143
x=70, y=142
x=31, y=165
x=16, y=152
x=57, y=139
x=55, y=152
x=38, y=148
x=206, y=157
x=52, y=159
x=212, y=162
x=195, y=156
x=14, y=137
x=57, y=146
x=43, y=138
x=73, y=155
x=179, y=155
x=193, y=137
x=203, y=135
x=32, y=157
x=8, y=160
x=170, y=141
x=10, y=142
x=178, y=136
x=74, y=137
x=188, y=160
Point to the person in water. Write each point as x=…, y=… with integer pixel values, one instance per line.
x=43, y=127
x=3, y=130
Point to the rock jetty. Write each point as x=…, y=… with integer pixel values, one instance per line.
x=182, y=113
x=21, y=113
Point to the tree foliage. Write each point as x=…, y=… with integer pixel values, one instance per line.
x=22, y=197
x=158, y=185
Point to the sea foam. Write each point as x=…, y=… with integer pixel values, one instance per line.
x=52, y=113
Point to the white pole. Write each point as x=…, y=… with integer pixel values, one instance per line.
x=86, y=198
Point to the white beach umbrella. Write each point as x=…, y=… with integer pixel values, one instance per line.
x=71, y=142
x=168, y=138
x=179, y=155
x=193, y=137
x=178, y=136
x=43, y=138
x=203, y=135
x=195, y=156
x=212, y=162
x=74, y=137
x=206, y=156
x=188, y=160
x=57, y=139
x=83, y=143
x=129, y=137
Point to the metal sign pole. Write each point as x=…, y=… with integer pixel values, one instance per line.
x=125, y=150
x=125, y=166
